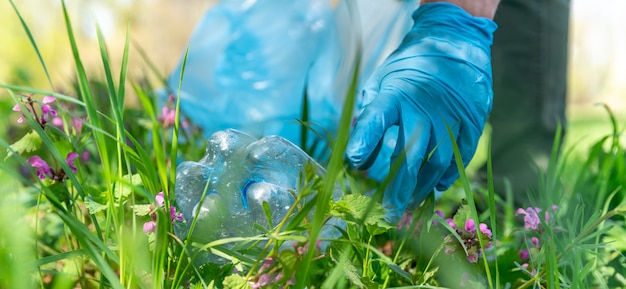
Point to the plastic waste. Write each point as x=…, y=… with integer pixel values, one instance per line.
x=226, y=189
x=249, y=63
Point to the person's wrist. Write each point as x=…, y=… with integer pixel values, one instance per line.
x=476, y=8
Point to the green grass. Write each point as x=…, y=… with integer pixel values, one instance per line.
x=85, y=229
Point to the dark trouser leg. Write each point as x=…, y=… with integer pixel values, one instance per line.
x=529, y=70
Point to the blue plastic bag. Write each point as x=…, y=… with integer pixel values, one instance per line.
x=250, y=62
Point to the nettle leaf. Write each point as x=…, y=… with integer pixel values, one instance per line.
x=369, y=284
x=142, y=210
x=93, y=206
x=27, y=144
x=126, y=185
x=355, y=207
x=462, y=215
x=352, y=273
x=236, y=281
x=59, y=190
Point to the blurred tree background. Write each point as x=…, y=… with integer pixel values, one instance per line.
x=160, y=27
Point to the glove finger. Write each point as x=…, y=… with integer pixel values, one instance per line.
x=413, y=138
x=439, y=156
x=367, y=136
x=467, y=141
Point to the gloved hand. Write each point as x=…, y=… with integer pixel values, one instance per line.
x=440, y=76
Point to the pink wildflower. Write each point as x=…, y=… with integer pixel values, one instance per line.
x=167, y=117
x=535, y=241
x=472, y=257
x=451, y=223
x=485, y=230
x=85, y=156
x=267, y=263
x=175, y=216
x=46, y=110
x=263, y=280
x=78, y=125
x=19, y=109
x=58, y=122
x=43, y=169
x=160, y=199
x=470, y=226
x=70, y=161
x=531, y=217
x=48, y=99
x=524, y=255
x=149, y=227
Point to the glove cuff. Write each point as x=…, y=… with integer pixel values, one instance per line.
x=451, y=19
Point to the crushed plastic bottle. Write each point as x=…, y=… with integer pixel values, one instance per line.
x=236, y=176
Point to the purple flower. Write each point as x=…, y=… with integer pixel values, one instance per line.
x=85, y=156
x=149, y=227
x=167, y=117
x=43, y=169
x=48, y=99
x=485, y=230
x=451, y=223
x=263, y=280
x=78, y=125
x=160, y=199
x=472, y=257
x=19, y=109
x=267, y=263
x=175, y=216
x=531, y=217
x=70, y=161
x=524, y=255
x=279, y=276
x=46, y=110
x=470, y=226
x=470, y=239
x=58, y=122
x=532, y=272
x=440, y=214
x=535, y=241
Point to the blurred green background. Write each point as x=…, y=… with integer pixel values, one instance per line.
x=597, y=70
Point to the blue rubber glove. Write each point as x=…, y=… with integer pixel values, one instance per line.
x=440, y=76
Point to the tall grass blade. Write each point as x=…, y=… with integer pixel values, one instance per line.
x=469, y=195
x=335, y=167
x=33, y=43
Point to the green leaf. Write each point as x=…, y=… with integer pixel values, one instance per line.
x=354, y=207
x=353, y=274
x=28, y=143
x=59, y=190
x=395, y=268
x=288, y=260
x=235, y=282
x=93, y=206
x=125, y=186
x=462, y=215
x=430, y=274
x=142, y=210
x=369, y=284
